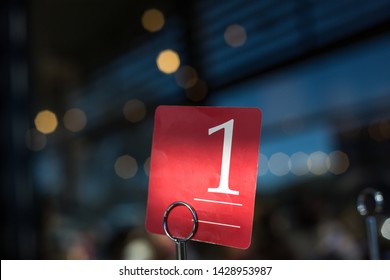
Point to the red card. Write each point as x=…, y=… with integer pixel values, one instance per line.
x=206, y=157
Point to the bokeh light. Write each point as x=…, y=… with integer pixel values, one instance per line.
x=384, y=128
x=379, y=130
x=263, y=165
x=318, y=163
x=126, y=167
x=168, y=61
x=298, y=163
x=279, y=164
x=153, y=20
x=134, y=110
x=235, y=35
x=75, y=120
x=46, y=122
x=147, y=166
x=339, y=162
x=385, y=229
x=186, y=77
x=198, y=92
x=35, y=140
x=138, y=249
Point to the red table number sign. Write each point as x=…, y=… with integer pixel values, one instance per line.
x=206, y=157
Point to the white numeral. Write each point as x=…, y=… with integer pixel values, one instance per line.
x=226, y=154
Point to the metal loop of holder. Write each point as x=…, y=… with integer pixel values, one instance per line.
x=194, y=216
x=181, y=249
x=370, y=202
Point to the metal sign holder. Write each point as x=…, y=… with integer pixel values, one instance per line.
x=181, y=243
x=369, y=203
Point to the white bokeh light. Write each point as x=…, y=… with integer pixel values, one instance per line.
x=278, y=164
x=298, y=163
x=263, y=165
x=126, y=167
x=339, y=162
x=385, y=229
x=318, y=163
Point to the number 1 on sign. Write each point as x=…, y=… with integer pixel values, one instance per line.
x=226, y=155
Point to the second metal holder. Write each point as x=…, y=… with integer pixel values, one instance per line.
x=181, y=243
x=369, y=203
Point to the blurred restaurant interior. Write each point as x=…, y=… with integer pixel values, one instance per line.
x=81, y=80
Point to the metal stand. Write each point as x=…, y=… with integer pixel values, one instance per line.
x=369, y=203
x=181, y=243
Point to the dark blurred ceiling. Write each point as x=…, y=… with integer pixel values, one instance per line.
x=72, y=38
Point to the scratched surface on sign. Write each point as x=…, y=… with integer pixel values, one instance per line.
x=207, y=157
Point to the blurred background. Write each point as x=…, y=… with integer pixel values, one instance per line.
x=80, y=81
